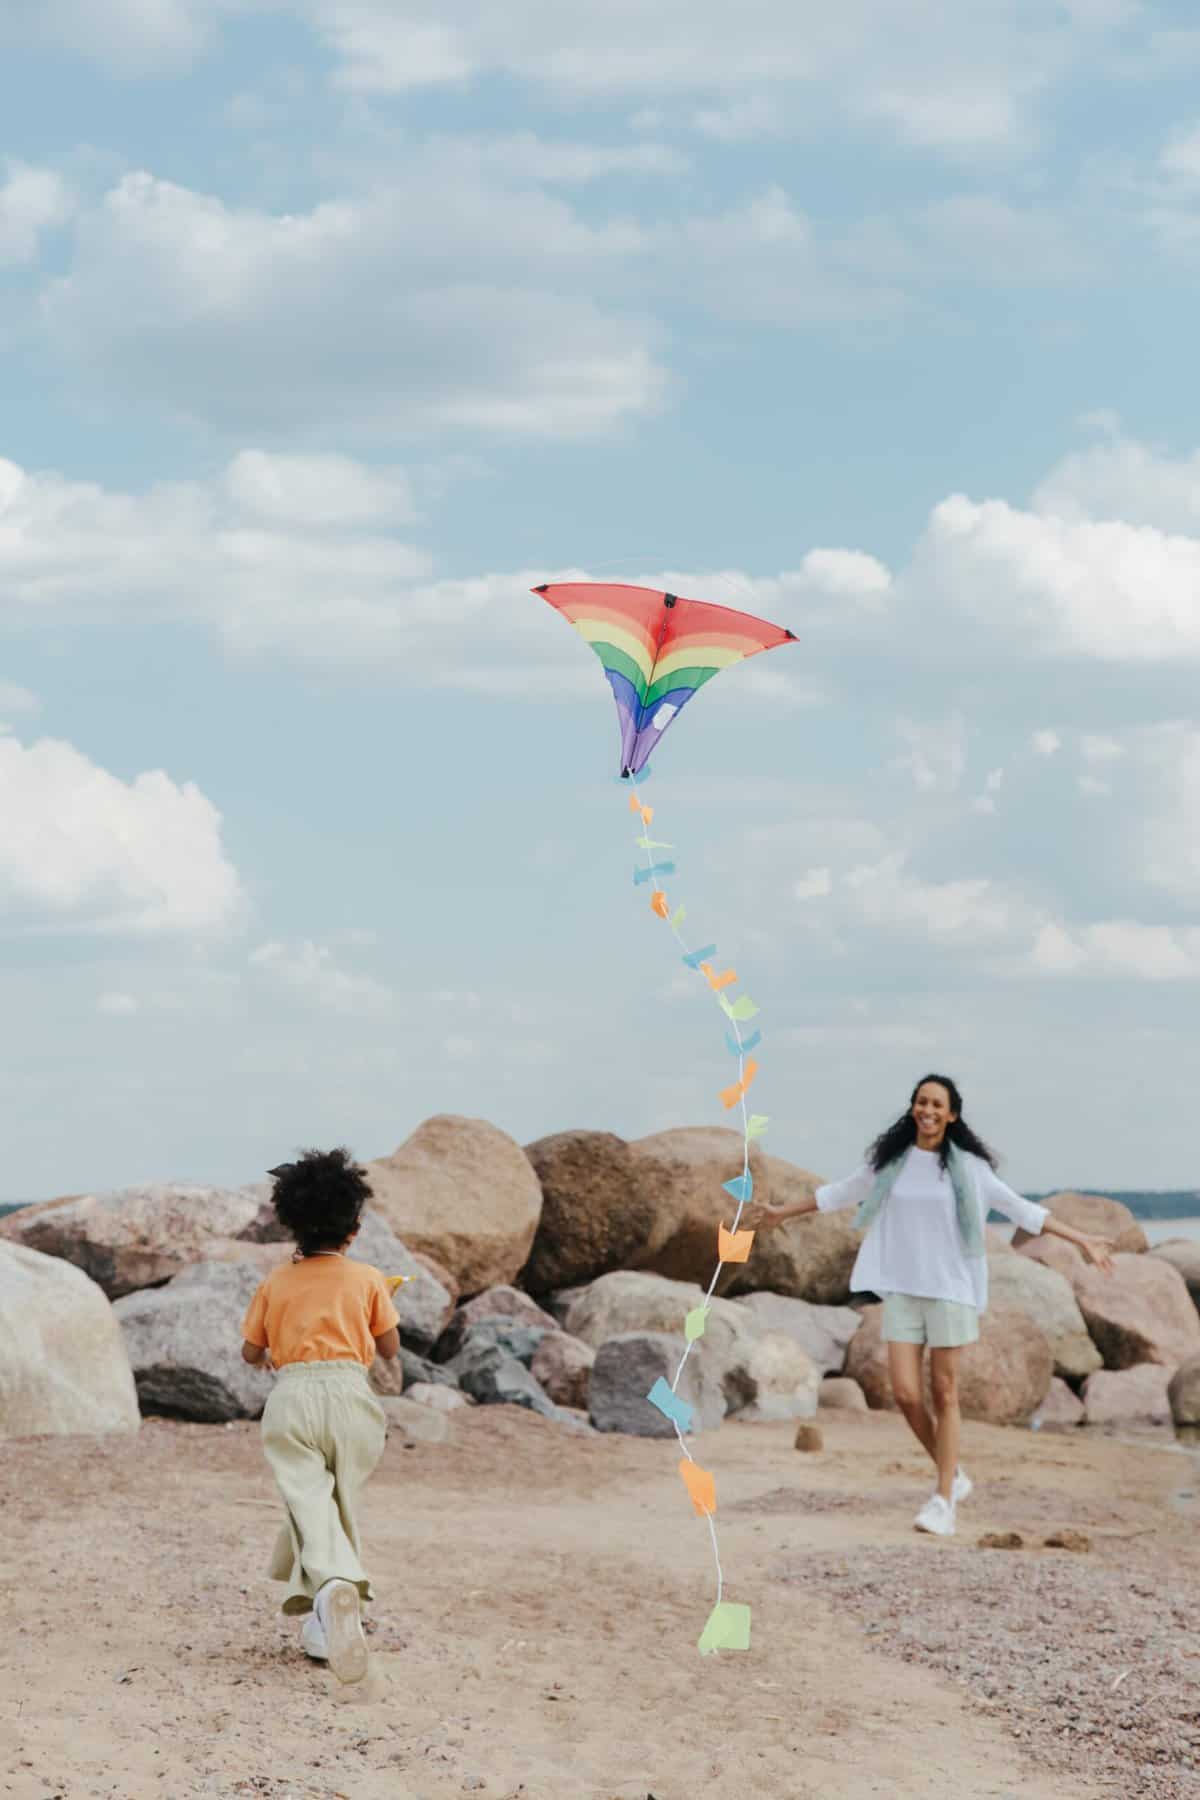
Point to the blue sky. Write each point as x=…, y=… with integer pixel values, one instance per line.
x=329, y=326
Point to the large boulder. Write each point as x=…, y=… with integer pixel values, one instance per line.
x=627, y=1367
x=493, y=1303
x=185, y=1345
x=1098, y=1217
x=822, y=1331
x=1046, y=1297
x=1003, y=1377
x=63, y=1362
x=1184, y=1392
x=1141, y=1313
x=810, y=1258
x=596, y=1213
x=1183, y=1254
x=1128, y=1399
x=137, y=1237
x=463, y=1192
x=681, y=1172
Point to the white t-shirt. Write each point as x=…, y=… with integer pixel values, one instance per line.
x=915, y=1246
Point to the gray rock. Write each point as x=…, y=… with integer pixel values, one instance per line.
x=184, y=1344
x=626, y=1368
x=423, y=1303
x=822, y=1331
x=493, y=1303
x=626, y=1301
x=509, y=1334
x=64, y=1367
x=418, y=1368
x=494, y=1377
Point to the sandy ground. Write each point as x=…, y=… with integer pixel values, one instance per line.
x=539, y=1600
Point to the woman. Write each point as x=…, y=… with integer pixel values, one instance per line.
x=923, y=1196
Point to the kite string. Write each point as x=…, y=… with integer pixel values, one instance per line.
x=741, y=1056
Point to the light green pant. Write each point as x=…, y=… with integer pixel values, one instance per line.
x=942, y=1324
x=323, y=1432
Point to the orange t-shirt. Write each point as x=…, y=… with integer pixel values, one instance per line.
x=324, y=1309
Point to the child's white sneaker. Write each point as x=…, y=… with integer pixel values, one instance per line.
x=936, y=1516
x=312, y=1638
x=340, y=1616
x=962, y=1489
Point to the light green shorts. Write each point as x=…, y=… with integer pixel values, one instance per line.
x=942, y=1324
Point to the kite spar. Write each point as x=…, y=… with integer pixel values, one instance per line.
x=658, y=650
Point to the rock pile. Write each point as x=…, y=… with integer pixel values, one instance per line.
x=557, y=1279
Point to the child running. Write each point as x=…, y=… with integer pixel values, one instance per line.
x=319, y=1320
x=923, y=1197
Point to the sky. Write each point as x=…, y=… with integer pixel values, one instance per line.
x=330, y=327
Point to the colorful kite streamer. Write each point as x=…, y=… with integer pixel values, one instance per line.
x=657, y=650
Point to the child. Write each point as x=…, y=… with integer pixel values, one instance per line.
x=319, y=1320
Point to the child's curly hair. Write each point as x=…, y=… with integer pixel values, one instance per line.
x=320, y=1198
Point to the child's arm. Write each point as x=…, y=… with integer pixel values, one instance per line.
x=387, y=1344
x=253, y=1353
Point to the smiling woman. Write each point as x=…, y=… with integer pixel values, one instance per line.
x=922, y=1198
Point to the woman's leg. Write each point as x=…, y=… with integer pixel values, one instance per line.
x=904, y=1369
x=943, y=1374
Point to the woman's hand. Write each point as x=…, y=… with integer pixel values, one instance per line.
x=1099, y=1251
x=761, y=1216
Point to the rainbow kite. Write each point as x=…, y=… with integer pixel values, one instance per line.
x=657, y=650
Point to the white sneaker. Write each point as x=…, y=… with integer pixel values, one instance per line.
x=340, y=1616
x=962, y=1489
x=936, y=1516
x=312, y=1638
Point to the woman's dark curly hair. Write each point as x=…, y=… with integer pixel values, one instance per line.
x=891, y=1144
x=319, y=1199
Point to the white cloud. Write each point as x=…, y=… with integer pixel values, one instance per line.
x=814, y=885
x=1059, y=587
x=1125, y=480
x=80, y=848
x=951, y=78
x=1046, y=742
x=319, y=490
x=1119, y=948
x=450, y=297
x=937, y=753
x=310, y=971
x=1099, y=748
x=15, y=699
x=968, y=910
x=128, y=37
x=293, y=554
x=32, y=201
x=117, y=1005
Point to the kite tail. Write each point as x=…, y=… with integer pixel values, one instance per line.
x=728, y=1625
